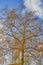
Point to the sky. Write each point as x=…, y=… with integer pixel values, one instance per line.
x=34, y=5
x=10, y=3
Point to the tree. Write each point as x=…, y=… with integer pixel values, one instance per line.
x=22, y=35
x=3, y=49
x=24, y=32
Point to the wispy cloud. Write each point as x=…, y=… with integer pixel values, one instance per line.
x=34, y=5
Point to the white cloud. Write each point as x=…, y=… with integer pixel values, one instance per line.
x=34, y=5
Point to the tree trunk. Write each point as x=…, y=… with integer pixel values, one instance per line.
x=22, y=57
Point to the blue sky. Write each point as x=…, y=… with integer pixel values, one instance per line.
x=36, y=5
x=10, y=3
